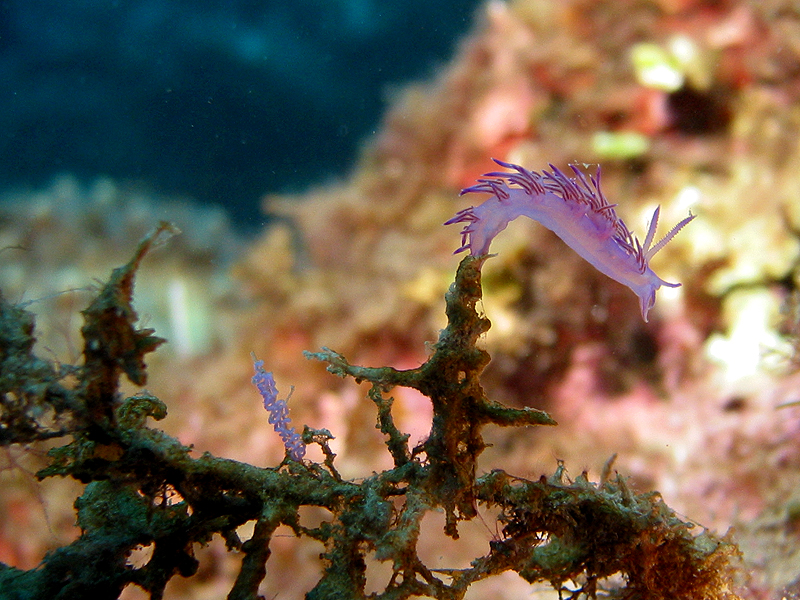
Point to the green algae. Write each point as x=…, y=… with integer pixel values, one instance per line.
x=145, y=489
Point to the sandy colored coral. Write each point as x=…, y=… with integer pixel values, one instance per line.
x=361, y=266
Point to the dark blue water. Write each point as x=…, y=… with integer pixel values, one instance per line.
x=222, y=101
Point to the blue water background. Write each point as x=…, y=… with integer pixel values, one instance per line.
x=220, y=101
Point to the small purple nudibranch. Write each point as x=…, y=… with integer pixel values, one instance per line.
x=278, y=411
x=577, y=212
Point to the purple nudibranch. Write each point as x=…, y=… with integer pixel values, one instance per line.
x=577, y=212
x=278, y=411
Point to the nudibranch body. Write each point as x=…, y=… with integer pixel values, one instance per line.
x=577, y=212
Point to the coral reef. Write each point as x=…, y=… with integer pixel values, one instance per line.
x=688, y=105
x=144, y=488
x=57, y=240
x=689, y=401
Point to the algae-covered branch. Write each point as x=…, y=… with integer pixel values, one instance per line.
x=146, y=489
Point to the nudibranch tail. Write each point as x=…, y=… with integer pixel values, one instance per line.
x=576, y=210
